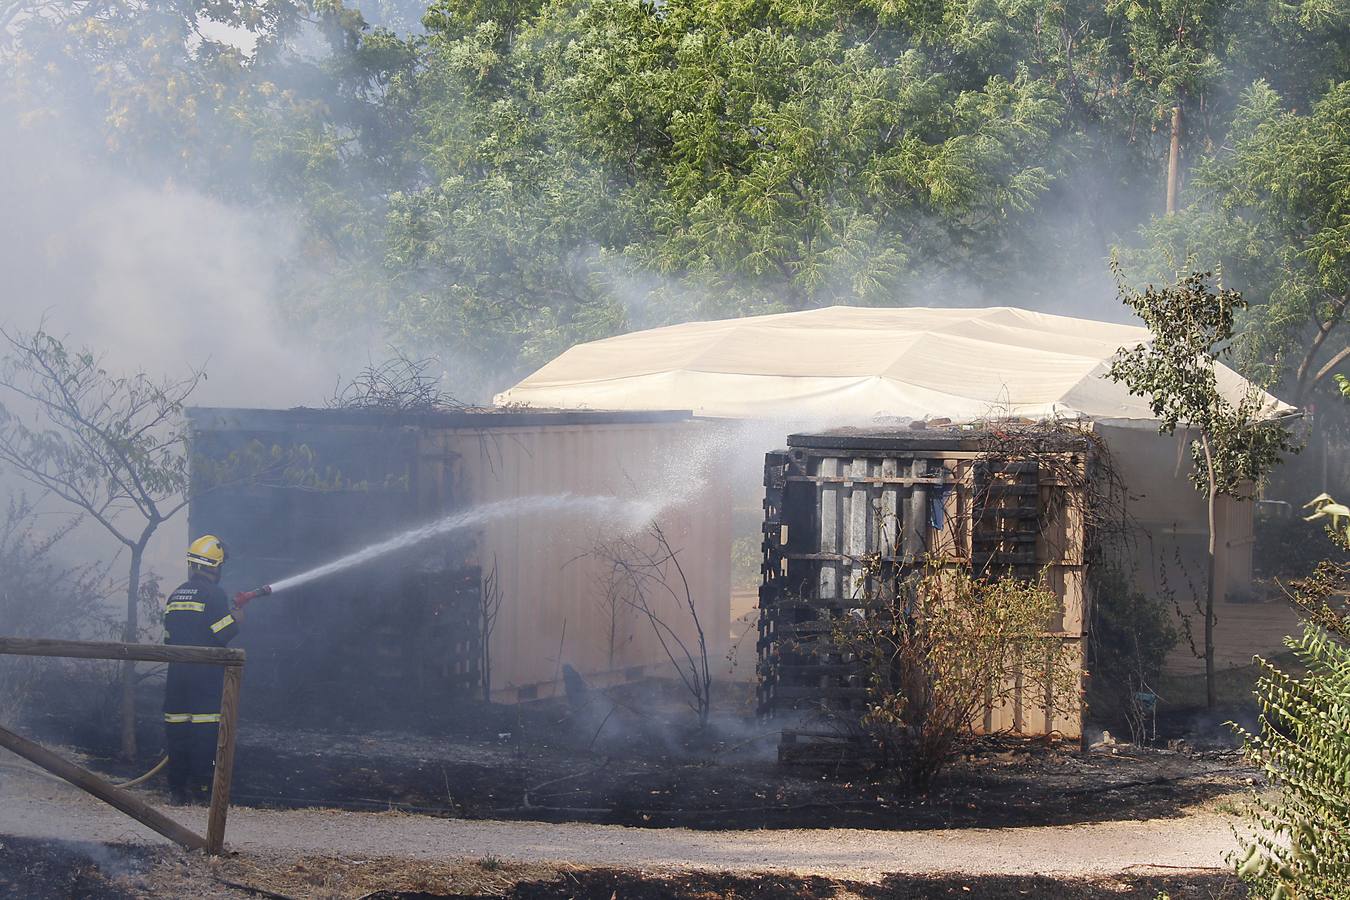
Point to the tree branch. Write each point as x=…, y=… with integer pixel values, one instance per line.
x=1331, y=365
x=1324, y=330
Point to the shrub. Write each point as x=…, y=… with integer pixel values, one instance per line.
x=1302, y=742
x=40, y=597
x=1131, y=635
x=936, y=649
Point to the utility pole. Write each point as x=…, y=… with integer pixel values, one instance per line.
x=1174, y=161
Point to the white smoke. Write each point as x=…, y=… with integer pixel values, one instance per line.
x=154, y=276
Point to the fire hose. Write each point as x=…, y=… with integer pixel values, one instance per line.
x=164, y=761
x=159, y=766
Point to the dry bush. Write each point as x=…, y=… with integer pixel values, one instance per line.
x=938, y=647
x=399, y=383
x=41, y=596
x=646, y=575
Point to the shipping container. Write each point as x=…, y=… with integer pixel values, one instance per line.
x=404, y=634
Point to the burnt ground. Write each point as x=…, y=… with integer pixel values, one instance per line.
x=608, y=885
x=47, y=870
x=633, y=758
x=63, y=869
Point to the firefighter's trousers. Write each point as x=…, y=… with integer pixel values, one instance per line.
x=191, y=746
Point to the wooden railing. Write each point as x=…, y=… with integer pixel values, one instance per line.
x=121, y=799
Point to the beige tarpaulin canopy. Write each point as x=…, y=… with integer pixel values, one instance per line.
x=854, y=364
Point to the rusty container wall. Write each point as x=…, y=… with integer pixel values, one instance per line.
x=839, y=502
x=559, y=601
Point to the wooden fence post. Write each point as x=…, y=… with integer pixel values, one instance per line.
x=224, y=772
x=138, y=809
x=116, y=797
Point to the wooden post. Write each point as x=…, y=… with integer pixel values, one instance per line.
x=125, y=801
x=220, y=656
x=1174, y=161
x=830, y=531
x=915, y=541
x=220, y=785
x=231, y=660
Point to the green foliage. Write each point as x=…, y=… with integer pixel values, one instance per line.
x=1173, y=44
x=936, y=650
x=519, y=176
x=1191, y=325
x=1302, y=845
x=1303, y=745
x=160, y=80
x=756, y=164
x=1273, y=208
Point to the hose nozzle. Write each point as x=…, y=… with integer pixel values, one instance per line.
x=242, y=598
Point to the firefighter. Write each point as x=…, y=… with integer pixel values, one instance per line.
x=197, y=614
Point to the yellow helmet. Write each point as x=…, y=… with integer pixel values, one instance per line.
x=207, y=552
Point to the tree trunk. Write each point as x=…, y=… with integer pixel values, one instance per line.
x=129, y=635
x=1174, y=162
x=1211, y=578
x=1210, y=698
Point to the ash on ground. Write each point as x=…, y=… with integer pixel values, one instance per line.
x=39, y=870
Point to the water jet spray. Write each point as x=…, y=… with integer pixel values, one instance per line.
x=626, y=516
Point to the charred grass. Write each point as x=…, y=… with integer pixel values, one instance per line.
x=632, y=760
x=48, y=869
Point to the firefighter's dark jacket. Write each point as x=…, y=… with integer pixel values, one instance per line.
x=196, y=615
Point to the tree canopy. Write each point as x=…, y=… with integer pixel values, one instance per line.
x=506, y=178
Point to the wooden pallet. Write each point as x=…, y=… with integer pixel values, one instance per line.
x=833, y=511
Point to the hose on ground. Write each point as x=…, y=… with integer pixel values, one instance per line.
x=164, y=761
x=34, y=770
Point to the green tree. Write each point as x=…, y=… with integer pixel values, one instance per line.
x=1273, y=208
x=524, y=174
x=295, y=109
x=153, y=86
x=754, y=159
x=648, y=163
x=1235, y=444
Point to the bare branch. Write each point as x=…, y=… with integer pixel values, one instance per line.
x=644, y=570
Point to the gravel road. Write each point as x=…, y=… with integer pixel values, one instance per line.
x=36, y=807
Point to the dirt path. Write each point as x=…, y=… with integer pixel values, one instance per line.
x=36, y=807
